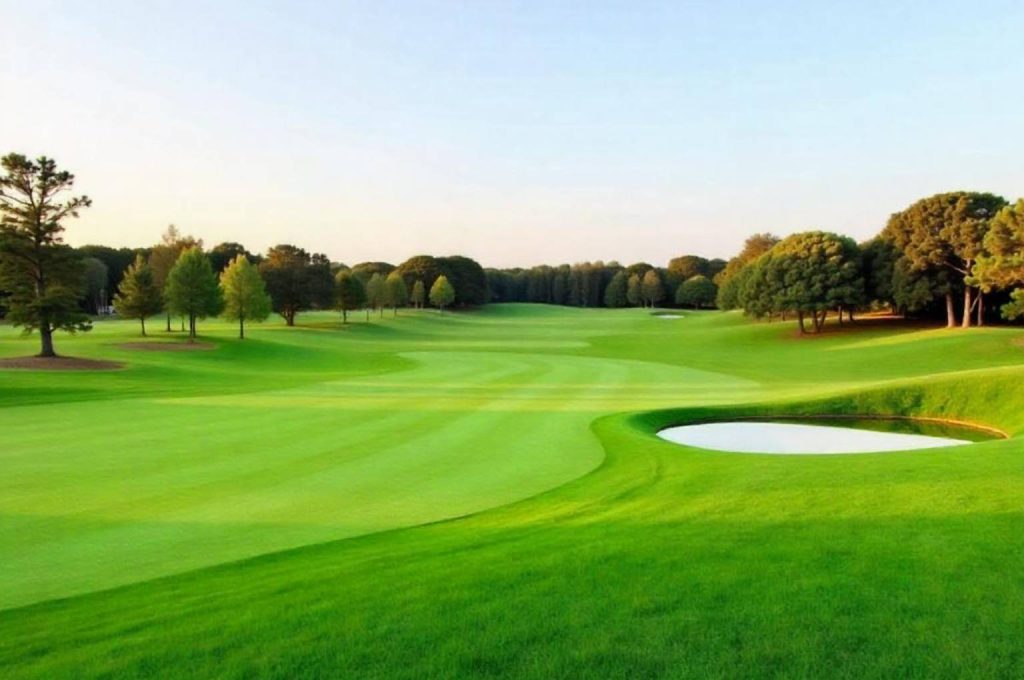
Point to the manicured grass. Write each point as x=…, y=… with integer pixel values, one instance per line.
x=593, y=548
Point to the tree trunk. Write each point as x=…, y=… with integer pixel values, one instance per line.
x=344, y=316
x=241, y=328
x=367, y=314
x=382, y=311
x=966, y=322
x=189, y=323
x=143, y=320
x=800, y=320
x=46, y=341
x=950, y=312
x=168, y=322
x=840, y=308
x=850, y=313
x=981, y=308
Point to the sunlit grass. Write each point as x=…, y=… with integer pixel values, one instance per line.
x=600, y=550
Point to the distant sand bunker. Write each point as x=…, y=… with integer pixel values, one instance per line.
x=59, y=364
x=167, y=346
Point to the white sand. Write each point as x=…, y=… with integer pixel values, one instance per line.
x=794, y=438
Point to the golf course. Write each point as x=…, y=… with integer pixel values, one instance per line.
x=483, y=493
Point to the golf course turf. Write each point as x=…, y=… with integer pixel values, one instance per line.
x=482, y=493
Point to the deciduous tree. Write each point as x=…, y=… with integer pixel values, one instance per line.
x=651, y=288
x=350, y=293
x=697, y=291
x=192, y=289
x=165, y=254
x=442, y=293
x=297, y=281
x=615, y=295
x=396, y=291
x=139, y=296
x=634, y=291
x=376, y=293
x=419, y=294
x=245, y=294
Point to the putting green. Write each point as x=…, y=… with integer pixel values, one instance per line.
x=587, y=536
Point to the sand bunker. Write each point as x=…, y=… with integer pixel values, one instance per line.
x=798, y=439
x=59, y=364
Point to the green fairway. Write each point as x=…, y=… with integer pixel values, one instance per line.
x=275, y=505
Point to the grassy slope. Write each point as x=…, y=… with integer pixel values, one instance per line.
x=663, y=560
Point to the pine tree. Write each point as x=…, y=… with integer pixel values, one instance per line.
x=41, y=274
x=192, y=289
x=138, y=296
x=245, y=294
x=441, y=293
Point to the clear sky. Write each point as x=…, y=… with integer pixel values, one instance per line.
x=513, y=132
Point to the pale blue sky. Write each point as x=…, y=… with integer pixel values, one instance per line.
x=516, y=133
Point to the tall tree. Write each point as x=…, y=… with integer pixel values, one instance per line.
x=615, y=295
x=192, y=289
x=946, y=231
x=42, y=275
x=653, y=291
x=809, y=273
x=139, y=296
x=376, y=293
x=165, y=254
x=1003, y=265
x=397, y=292
x=419, y=294
x=245, y=294
x=442, y=293
x=634, y=290
x=350, y=294
x=297, y=281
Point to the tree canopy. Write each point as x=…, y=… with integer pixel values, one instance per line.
x=419, y=295
x=697, y=291
x=397, y=293
x=245, y=294
x=807, y=273
x=41, y=275
x=350, y=294
x=946, y=231
x=192, y=290
x=297, y=281
x=139, y=296
x=442, y=293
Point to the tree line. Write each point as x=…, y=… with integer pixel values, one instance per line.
x=688, y=280
x=956, y=244
x=46, y=286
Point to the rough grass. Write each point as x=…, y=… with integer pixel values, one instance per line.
x=605, y=552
